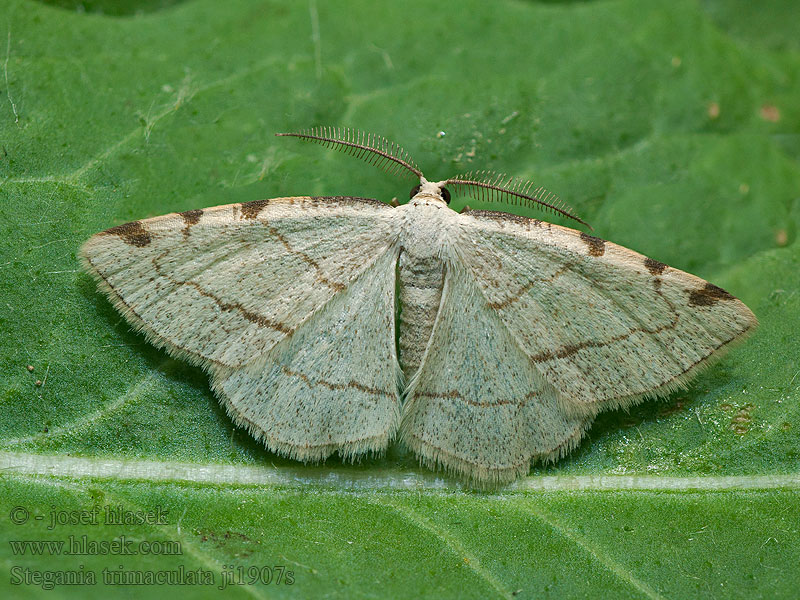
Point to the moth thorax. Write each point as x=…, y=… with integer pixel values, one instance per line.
x=420, y=280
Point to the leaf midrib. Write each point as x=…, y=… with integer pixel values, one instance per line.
x=59, y=465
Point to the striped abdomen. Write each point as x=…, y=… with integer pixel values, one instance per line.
x=420, y=281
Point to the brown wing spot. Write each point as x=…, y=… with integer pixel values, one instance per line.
x=708, y=295
x=132, y=233
x=597, y=246
x=655, y=267
x=190, y=218
x=250, y=210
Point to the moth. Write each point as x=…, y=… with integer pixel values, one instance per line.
x=482, y=340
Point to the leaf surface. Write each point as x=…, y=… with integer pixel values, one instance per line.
x=674, y=128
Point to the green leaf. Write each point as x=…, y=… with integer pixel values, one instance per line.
x=674, y=128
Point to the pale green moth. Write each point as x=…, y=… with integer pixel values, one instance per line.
x=484, y=341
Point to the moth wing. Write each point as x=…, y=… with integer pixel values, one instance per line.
x=289, y=303
x=604, y=325
x=331, y=386
x=476, y=406
x=222, y=286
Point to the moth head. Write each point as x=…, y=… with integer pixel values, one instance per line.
x=431, y=191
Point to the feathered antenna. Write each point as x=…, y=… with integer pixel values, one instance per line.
x=487, y=186
x=374, y=149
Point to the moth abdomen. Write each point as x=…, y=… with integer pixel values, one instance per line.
x=420, y=283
